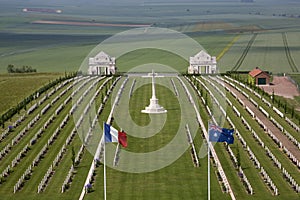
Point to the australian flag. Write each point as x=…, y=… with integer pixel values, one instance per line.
x=218, y=134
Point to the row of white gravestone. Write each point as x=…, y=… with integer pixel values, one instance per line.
x=18, y=138
x=32, y=108
x=21, y=180
x=272, y=156
x=36, y=160
x=291, y=157
x=253, y=102
x=6, y=132
x=251, y=154
x=211, y=81
x=90, y=175
x=257, y=138
x=132, y=87
x=190, y=141
x=292, y=124
x=291, y=180
x=289, y=136
x=79, y=101
x=57, y=111
x=244, y=121
x=260, y=122
x=68, y=179
x=254, y=158
x=186, y=90
x=6, y=171
x=242, y=175
x=269, y=181
x=213, y=96
x=45, y=109
x=71, y=171
x=45, y=179
x=51, y=169
x=117, y=98
x=95, y=120
x=216, y=160
x=76, y=102
x=78, y=123
x=121, y=90
x=250, y=111
x=246, y=182
x=278, y=164
x=53, y=101
x=268, y=104
x=50, y=172
x=245, y=94
x=240, y=138
x=86, y=80
x=244, y=144
x=236, y=111
x=269, y=132
x=118, y=149
x=5, y=151
x=41, y=101
x=19, y=156
x=42, y=152
x=175, y=88
x=275, y=160
x=264, y=112
x=202, y=99
x=276, y=140
x=278, y=112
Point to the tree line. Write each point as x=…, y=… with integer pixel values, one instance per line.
x=25, y=69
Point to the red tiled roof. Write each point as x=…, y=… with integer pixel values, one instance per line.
x=255, y=72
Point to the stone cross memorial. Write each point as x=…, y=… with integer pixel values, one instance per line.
x=154, y=107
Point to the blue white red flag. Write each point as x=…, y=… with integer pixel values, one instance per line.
x=110, y=133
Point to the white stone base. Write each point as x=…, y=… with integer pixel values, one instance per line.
x=154, y=107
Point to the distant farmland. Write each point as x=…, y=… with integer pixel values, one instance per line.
x=266, y=51
x=74, y=23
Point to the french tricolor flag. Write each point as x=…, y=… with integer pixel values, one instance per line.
x=113, y=135
x=110, y=133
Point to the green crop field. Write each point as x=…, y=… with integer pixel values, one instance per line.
x=14, y=88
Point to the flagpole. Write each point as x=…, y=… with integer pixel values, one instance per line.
x=208, y=170
x=208, y=164
x=104, y=164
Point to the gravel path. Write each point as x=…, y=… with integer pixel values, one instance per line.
x=282, y=86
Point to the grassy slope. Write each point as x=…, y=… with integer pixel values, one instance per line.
x=13, y=88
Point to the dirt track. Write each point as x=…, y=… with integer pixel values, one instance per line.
x=89, y=24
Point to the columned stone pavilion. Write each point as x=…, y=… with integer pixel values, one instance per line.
x=102, y=64
x=203, y=63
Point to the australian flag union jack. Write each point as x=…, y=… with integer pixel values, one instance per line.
x=218, y=134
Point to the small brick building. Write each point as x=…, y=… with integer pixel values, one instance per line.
x=258, y=77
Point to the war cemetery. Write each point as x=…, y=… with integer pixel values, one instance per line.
x=150, y=100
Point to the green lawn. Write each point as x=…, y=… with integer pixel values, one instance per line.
x=15, y=87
